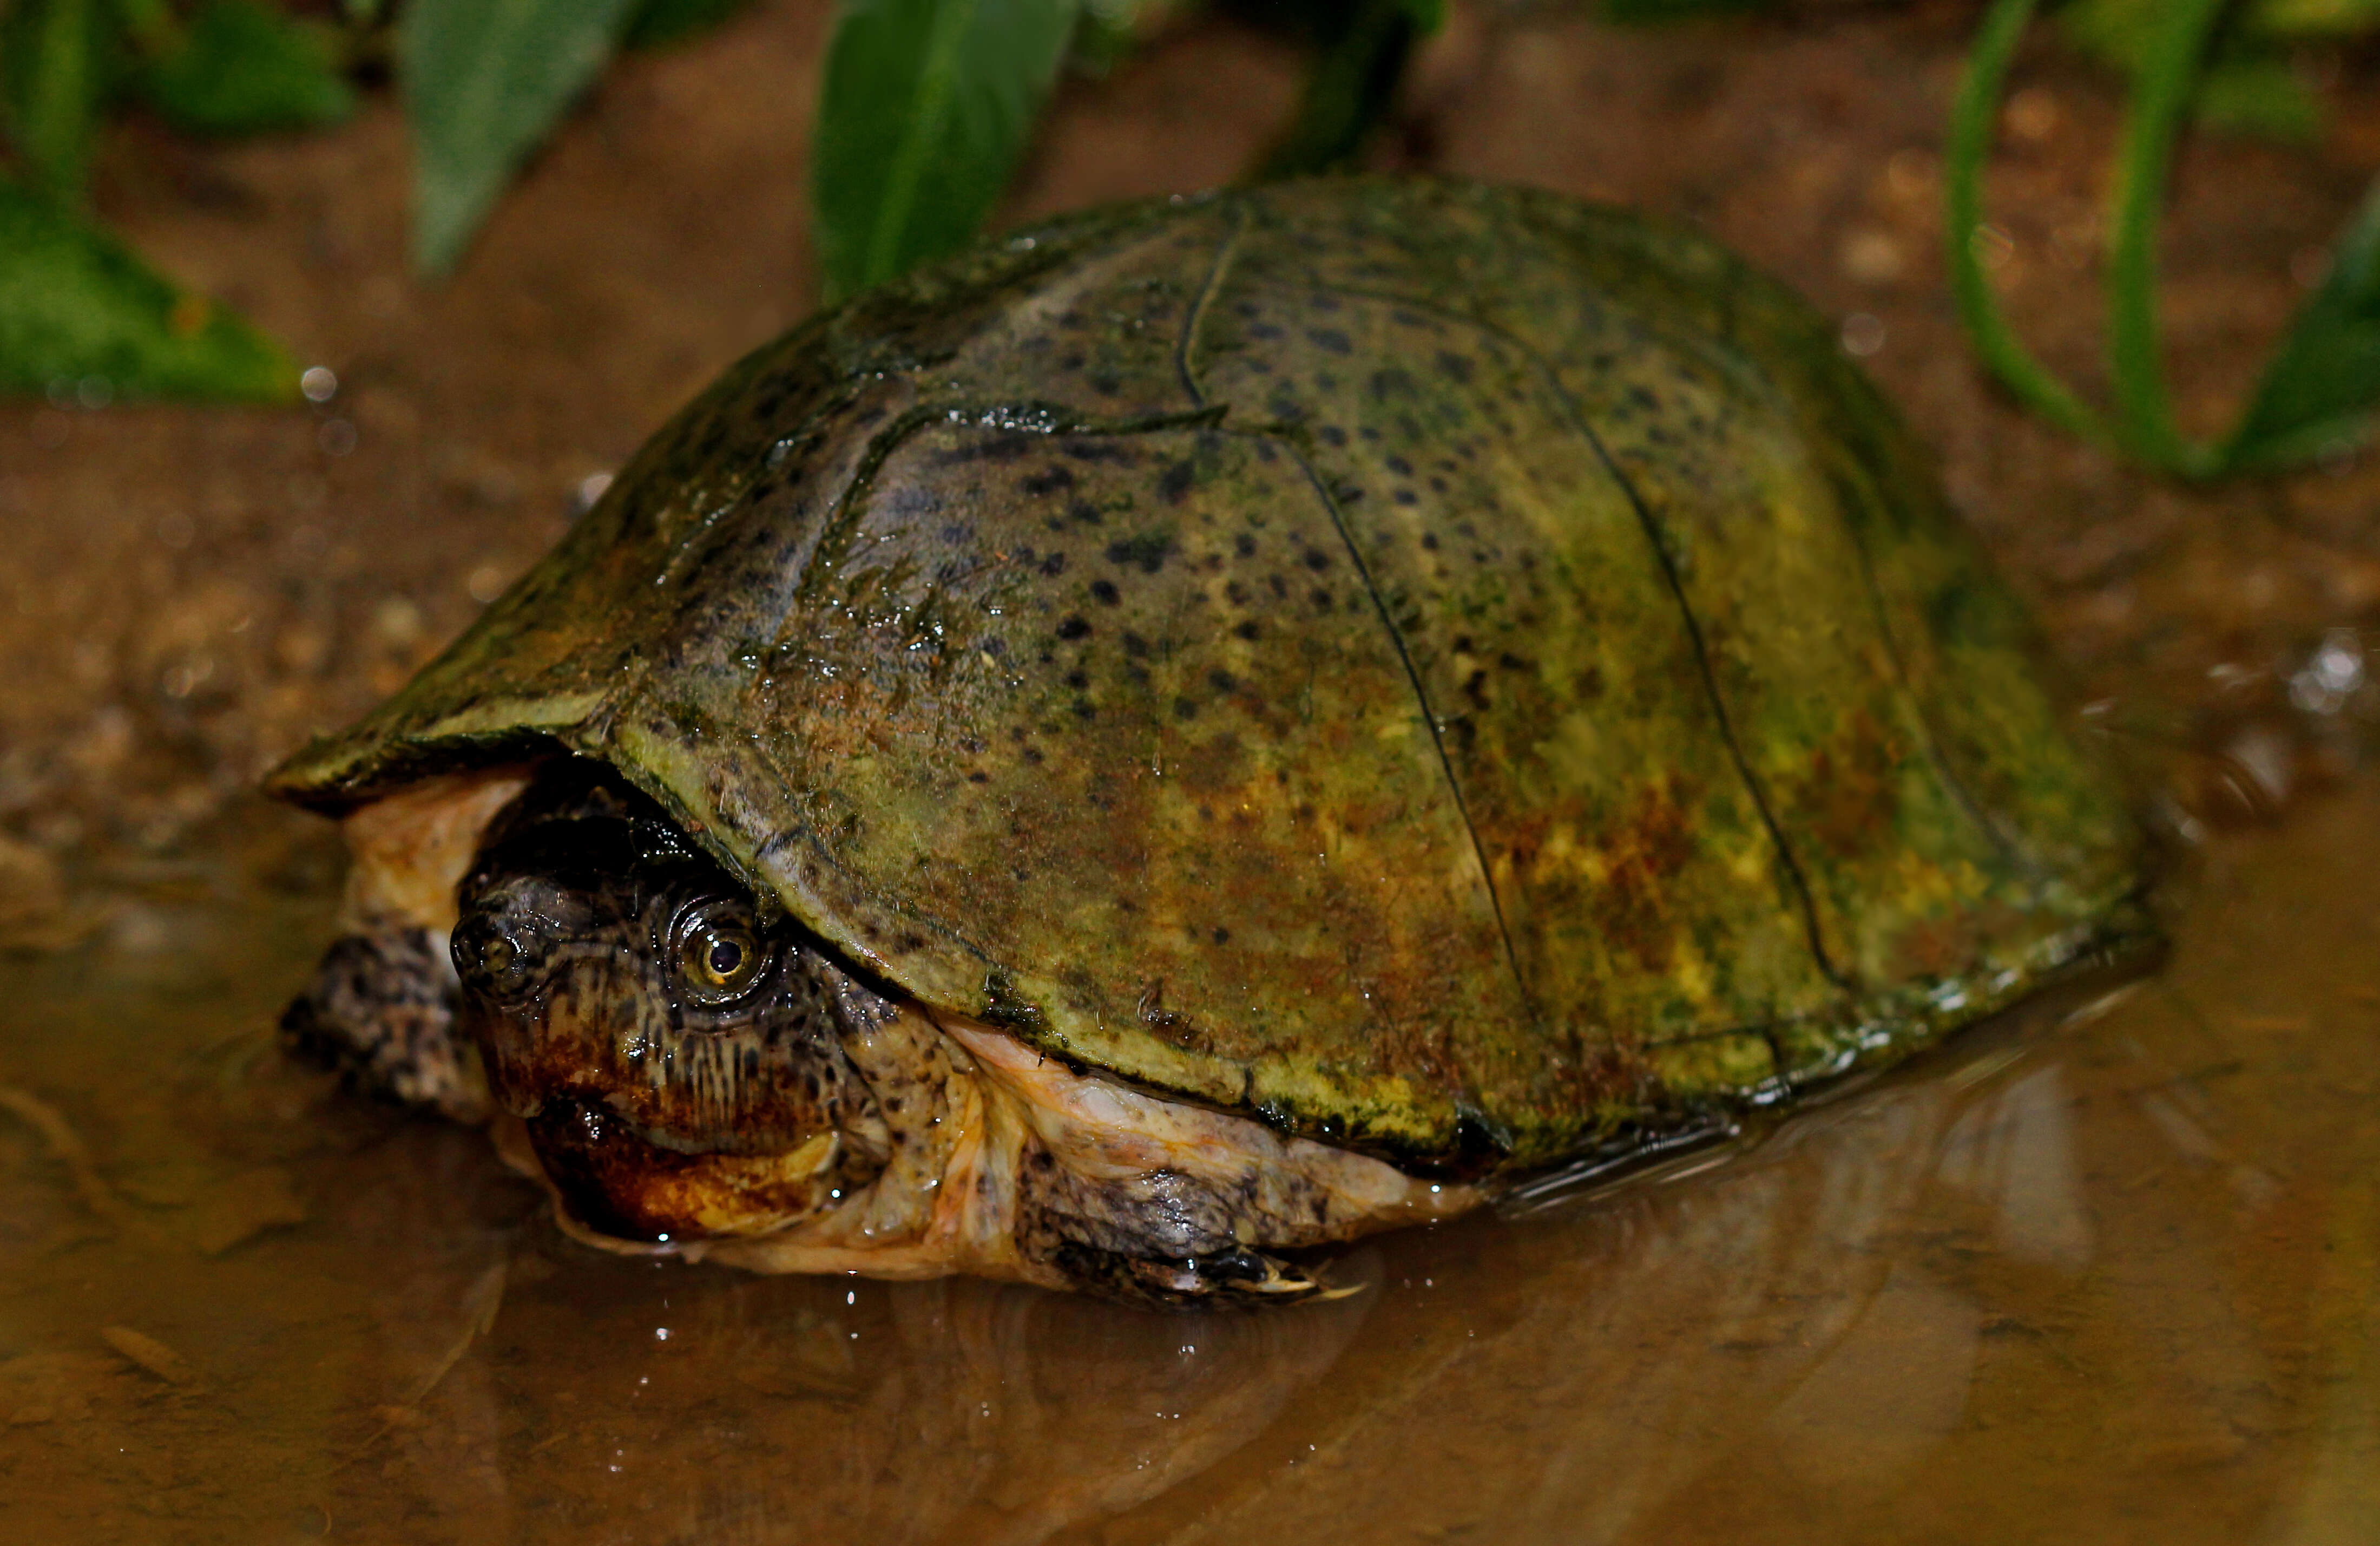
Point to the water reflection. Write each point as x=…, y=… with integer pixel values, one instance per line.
x=2113, y=1280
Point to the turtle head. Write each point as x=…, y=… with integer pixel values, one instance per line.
x=676, y=1058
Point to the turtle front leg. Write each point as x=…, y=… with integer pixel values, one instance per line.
x=1125, y=1194
x=1159, y=1236
x=381, y=1011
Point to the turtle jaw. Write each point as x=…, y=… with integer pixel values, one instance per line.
x=616, y=1181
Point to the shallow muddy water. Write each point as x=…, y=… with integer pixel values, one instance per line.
x=2097, y=1278
x=2105, y=1275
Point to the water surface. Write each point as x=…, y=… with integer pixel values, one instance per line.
x=2103, y=1276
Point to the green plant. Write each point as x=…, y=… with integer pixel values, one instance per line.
x=928, y=105
x=76, y=307
x=926, y=108
x=2322, y=382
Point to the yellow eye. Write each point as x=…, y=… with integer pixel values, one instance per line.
x=719, y=958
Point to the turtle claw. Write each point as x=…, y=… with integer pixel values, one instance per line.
x=1238, y=1277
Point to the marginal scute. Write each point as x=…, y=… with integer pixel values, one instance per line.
x=1444, y=669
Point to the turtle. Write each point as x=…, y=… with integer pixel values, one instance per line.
x=1207, y=727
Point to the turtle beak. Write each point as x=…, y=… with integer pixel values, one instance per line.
x=616, y=1181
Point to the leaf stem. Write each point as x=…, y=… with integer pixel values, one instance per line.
x=1972, y=120
x=2160, y=98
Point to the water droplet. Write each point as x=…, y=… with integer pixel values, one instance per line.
x=319, y=383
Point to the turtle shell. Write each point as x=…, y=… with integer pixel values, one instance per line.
x=1447, y=669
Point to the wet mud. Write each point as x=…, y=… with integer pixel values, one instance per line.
x=2100, y=1271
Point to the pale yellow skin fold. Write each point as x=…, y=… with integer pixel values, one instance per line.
x=948, y=1200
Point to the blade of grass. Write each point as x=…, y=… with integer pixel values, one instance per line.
x=1971, y=121
x=2136, y=202
x=926, y=108
x=484, y=82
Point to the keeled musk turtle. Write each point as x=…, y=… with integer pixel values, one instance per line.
x=1206, y=728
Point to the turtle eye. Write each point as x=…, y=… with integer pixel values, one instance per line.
x=498, y=957
x=719, y=955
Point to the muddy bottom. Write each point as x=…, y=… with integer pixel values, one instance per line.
x=2095, y=1274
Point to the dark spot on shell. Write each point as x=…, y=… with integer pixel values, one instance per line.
x=1249, y=629
x=1148, y=550
x=1084, y=710
x=1264, y=331
x=1080, y=679
x=1032, y=755
x=1056, y=563
x=1315, y=559
x=1176, y=481
x=1222, y=681
x=1330, y=338
x=1320, y=598
x=1074, y=626
x=1245, y=545
x=1048, y=482
x=1220, y=936
x=978, y=776
x=1104, y=592
x=1401, y=466
x=1136, y=646
x=1429, y=541
x=1184, y=709
x=1084, y=511
x=1454, y=367
x=1333, y=435
x=1404, y=496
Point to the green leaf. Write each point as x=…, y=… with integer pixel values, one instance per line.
x=77, y=306
x=244, y=67
x=2315, y=18
x=1105, y=35
x=926, y=108
x=656, y=23
x=2324, y=381
x=484, y=82
x=53, y=68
